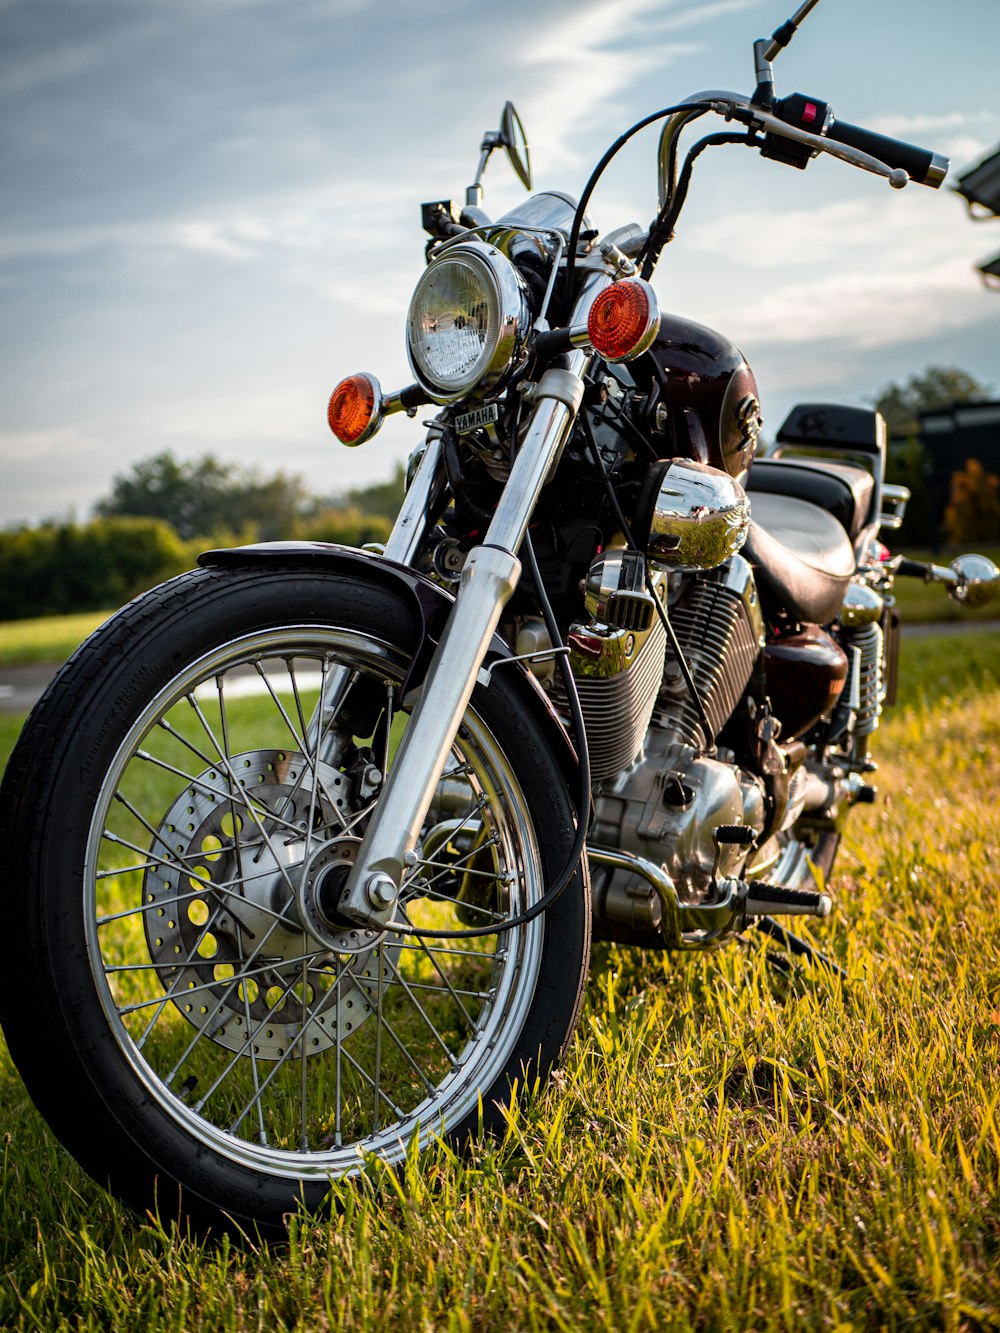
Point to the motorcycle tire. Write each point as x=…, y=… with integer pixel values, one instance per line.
x=174, y=818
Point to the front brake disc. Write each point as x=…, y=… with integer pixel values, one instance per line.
x=219, y=913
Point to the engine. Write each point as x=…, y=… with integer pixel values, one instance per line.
x=666, y=804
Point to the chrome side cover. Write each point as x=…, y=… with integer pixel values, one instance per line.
x=698, y=518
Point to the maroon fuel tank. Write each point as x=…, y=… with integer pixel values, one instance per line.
x=702, y=397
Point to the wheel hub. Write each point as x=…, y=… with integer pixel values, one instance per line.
x=238, y=919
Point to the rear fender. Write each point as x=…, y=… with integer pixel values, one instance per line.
x=432, y=605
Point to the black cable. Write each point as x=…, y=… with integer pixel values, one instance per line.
x=671, y=172
x=678, y=652
x=619, y=421
x=662, y=229
x=696, y=108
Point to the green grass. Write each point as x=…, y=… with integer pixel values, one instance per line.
x=47, y=639
x=725, y=1148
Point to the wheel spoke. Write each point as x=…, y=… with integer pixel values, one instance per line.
x=316, y=786
x=228, y=888
x=408, y=991
x=251, y=973
x=199, y=783
x=226, y=763
x=437, y=968
x=380, y=1023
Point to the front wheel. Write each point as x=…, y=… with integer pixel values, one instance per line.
x=189, y=1013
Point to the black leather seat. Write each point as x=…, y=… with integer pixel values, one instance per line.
x=802, y=557
x=844, y=490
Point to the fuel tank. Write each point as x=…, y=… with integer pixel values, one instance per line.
x=702, y=397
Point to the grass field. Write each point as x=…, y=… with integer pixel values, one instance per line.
x=47, y=639
x=726, y=1147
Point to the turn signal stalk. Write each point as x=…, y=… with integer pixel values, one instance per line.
x=358, y=407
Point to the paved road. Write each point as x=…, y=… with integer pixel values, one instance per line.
x=20, y=686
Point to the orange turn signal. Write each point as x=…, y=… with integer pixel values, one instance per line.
x=356, y=408
x=624, y=320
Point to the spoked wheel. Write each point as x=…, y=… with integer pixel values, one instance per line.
x=192, y=1014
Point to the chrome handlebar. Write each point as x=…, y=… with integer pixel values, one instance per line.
x=737, y=106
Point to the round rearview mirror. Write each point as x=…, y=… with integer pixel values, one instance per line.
x=515, y=141
x=978, y=578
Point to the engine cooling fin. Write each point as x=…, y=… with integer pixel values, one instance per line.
x=718, y=633
x=616, y=707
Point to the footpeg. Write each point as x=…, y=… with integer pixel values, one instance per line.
x=775, y=900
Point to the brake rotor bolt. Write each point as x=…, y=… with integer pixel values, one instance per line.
x=381, y=891
x=410, y=858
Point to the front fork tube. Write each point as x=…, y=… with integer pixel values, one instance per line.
x=489, y=577
x=325, y=740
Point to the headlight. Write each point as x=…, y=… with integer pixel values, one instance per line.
x=467, y=323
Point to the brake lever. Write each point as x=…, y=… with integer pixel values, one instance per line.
x=756, y=118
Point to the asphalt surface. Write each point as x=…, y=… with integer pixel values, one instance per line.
x=21, y=686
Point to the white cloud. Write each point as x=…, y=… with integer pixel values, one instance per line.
x=593, y=56
x=870, y=311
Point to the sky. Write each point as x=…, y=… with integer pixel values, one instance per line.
x=210, y=209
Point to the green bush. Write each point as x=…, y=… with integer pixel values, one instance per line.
x=68, y=567
x=349, y=527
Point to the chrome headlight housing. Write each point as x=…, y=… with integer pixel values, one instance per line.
x=467, y=323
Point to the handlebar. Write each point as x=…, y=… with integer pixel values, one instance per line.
x=920, y=164
x=894, y=159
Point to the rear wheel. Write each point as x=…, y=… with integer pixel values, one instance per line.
x=191, y=1015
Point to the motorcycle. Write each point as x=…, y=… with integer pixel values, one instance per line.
x=305, y=848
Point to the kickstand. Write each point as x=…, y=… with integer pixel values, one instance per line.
x=795, y=945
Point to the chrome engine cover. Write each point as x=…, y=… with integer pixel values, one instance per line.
x=719, y=625
x=666, y=805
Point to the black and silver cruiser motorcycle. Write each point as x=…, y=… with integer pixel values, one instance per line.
x=304, y=849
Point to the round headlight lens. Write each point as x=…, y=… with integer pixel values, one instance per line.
x=467, y=320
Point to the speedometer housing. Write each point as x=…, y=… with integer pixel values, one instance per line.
x=468, y=322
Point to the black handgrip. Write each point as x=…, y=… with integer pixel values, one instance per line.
x=920, y=164
x=911, y=569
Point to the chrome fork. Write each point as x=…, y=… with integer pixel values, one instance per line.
x=490, y=575
x=325, y=741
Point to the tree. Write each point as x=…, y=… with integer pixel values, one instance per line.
x=382, y=497
x=974, y=512
x=204, y=496
x=59, y=568
x=938, y=386
x=907, y=463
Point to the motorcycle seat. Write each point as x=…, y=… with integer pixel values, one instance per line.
x=845, y=490
x=801, y=555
